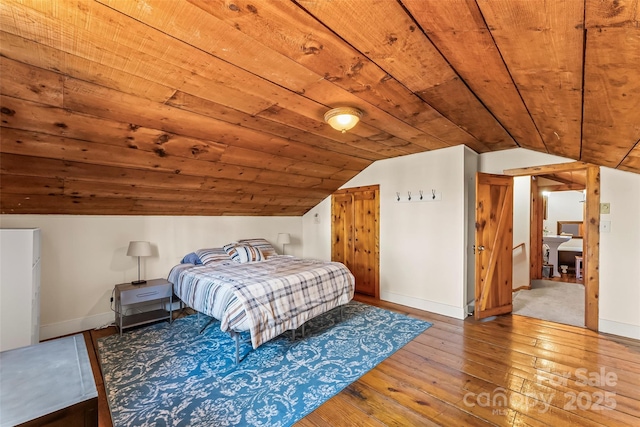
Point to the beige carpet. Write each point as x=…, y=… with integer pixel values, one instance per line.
x=554, y=301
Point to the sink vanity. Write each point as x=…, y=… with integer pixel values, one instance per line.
x=553, y=242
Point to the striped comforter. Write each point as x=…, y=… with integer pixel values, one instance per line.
x=265, y=298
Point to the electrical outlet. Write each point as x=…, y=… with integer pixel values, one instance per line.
x=605, y=208
x=605, y=226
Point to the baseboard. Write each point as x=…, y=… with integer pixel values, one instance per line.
x=618, y=328
x=520, y=288
x=73, y=326
x=426, y=305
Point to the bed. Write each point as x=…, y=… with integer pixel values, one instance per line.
x=248, y=287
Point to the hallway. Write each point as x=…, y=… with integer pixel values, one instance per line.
x=552, y=300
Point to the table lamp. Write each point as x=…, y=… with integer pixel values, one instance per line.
x=139, y=249
x=284, y=239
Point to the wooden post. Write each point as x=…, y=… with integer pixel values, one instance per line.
x=591, y=262
x=535, y=237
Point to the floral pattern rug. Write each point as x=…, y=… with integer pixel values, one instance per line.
x=171, y=375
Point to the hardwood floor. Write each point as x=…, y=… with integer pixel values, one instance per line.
x=513, y=370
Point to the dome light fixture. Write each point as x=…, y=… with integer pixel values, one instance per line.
x=343, y=118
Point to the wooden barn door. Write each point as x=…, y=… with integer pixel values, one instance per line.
x=493, y=248
x=355, y=235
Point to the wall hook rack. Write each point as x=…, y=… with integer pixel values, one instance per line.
x=435, y=196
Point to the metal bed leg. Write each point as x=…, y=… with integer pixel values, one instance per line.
x=342, y=313
x=236, y=337
x=205, y=326
x=303, y=325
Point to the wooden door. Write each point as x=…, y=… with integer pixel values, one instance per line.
x=493, y=248
x=355, y=235
x=342, y=229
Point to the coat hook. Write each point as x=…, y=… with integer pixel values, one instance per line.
x=420, y=194
x=398, y=195
x=409, y=194
x=433, y=194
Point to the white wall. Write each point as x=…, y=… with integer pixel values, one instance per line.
x=521, y=231
x=316, y=231
x=471, y=159
x=619, y=305
x=564, y=206
x=422, y=244
x=83, y=257
x=418, y=270
x=620, y=254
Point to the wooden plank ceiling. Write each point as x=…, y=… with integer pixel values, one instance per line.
x=204, y=107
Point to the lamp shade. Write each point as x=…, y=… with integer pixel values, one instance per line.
x=284, y=238
x=139, y=249
x=343, y=118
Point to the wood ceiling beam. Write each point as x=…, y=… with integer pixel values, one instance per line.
x=547, y=169
x=569, y=177
x=562, y=187
x=559, y=179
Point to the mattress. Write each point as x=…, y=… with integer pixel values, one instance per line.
x=265, y=298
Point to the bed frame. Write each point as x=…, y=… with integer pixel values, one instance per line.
x=235, y=335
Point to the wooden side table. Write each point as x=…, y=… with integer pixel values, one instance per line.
x=154, y=291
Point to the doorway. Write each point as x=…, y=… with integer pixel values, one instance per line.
x=590, y=228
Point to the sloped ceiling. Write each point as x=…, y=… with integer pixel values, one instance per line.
x=158, y=107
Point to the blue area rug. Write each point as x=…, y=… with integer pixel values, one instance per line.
x=170, y=375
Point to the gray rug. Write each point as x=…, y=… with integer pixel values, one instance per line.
x=554, y=301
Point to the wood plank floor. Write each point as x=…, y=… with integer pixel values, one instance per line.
x=511, y=371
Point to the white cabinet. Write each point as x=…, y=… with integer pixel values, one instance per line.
x=19, y=287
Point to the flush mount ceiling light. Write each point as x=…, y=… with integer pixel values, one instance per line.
x=343, y=118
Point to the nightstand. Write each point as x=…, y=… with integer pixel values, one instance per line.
x=154, y=291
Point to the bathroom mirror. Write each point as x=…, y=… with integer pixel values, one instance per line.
x=570, y=227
